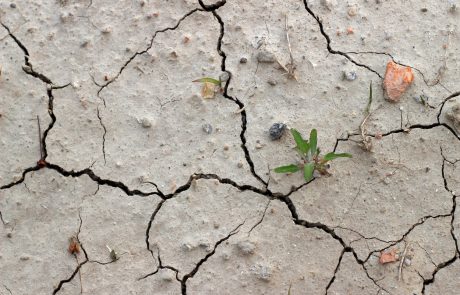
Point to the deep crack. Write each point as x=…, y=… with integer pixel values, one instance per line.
x=328, y=42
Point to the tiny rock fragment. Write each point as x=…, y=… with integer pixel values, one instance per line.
x=277, y=130
x=146, y=123
x=388, y=256
x=329, y=3
x=74, y=246
x=453, y=114
x=350, y=31
x=349, y=75
x=107, y=30
x=263, y=272
x=243, y=60
x=352, y=10
x=265, y=57
x=207, y=128
x=397, y=80
x=271, y=82
x=246, y=247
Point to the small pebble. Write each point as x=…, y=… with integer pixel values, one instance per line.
x=9, y=235
x=349, y=75
x=271, y=82
x=107, y=30
x=240, y=165
x=259, y=146
x=424, y=9
x=407, y=262
x=265, y=57
x=13, y=5
x=146, y=123
x=246, y=247
x=276, y=131
x=453, y=114
x=352, y=11
x=226, y=147
x=243, y=60
x=207, y=128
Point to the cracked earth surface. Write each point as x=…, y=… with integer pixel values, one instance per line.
x=102, y=141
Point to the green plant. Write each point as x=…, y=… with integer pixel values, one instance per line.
x=210, y=86
x=311, y=159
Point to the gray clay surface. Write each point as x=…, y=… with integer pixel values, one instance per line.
x=117, y=175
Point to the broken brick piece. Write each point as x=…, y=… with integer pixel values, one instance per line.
x=397, y=79
x=388, y=256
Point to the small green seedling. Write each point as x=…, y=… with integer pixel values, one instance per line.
x=310, y=156
x=210, y=86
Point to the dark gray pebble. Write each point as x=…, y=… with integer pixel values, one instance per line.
x=277, y=130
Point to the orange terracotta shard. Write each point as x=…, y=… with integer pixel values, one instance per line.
x=397, y=80
x=388, y=256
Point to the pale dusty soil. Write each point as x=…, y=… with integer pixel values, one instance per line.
x=126, y=165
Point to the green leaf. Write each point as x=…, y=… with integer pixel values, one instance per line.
x=313, y=142
x=209, y=80
x=287, y=169
x=302, y=145
x=332, y=156
x=308, y=171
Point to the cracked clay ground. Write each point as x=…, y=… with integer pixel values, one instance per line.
x=104, y=152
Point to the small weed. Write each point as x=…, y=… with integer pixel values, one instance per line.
x=311, y=159
x=210, y=86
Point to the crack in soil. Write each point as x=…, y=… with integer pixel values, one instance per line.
x=328, y=42
x=440, y=266
x=103, y=135
x=348, y=53
x=240, y=104
x=110, y=81
x=204, y=259
x=79, y=264
x=266, y=192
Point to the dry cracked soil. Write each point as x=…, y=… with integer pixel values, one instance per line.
x=118, y=177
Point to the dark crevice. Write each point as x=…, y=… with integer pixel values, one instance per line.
x=235, y=99
x=453, y=95
x=103, y=135
x=27, y=68
x=160, y=267
x=444, y=264
x=425, y=80
x=212, y=7
x=143, y=51
x=331, y=281
x=149, y=225
x=204, y=259
x=403, y=237
x=328, y=42
x=79, y=266
x=260, y=220
x=101, y=181
x=420, y=126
